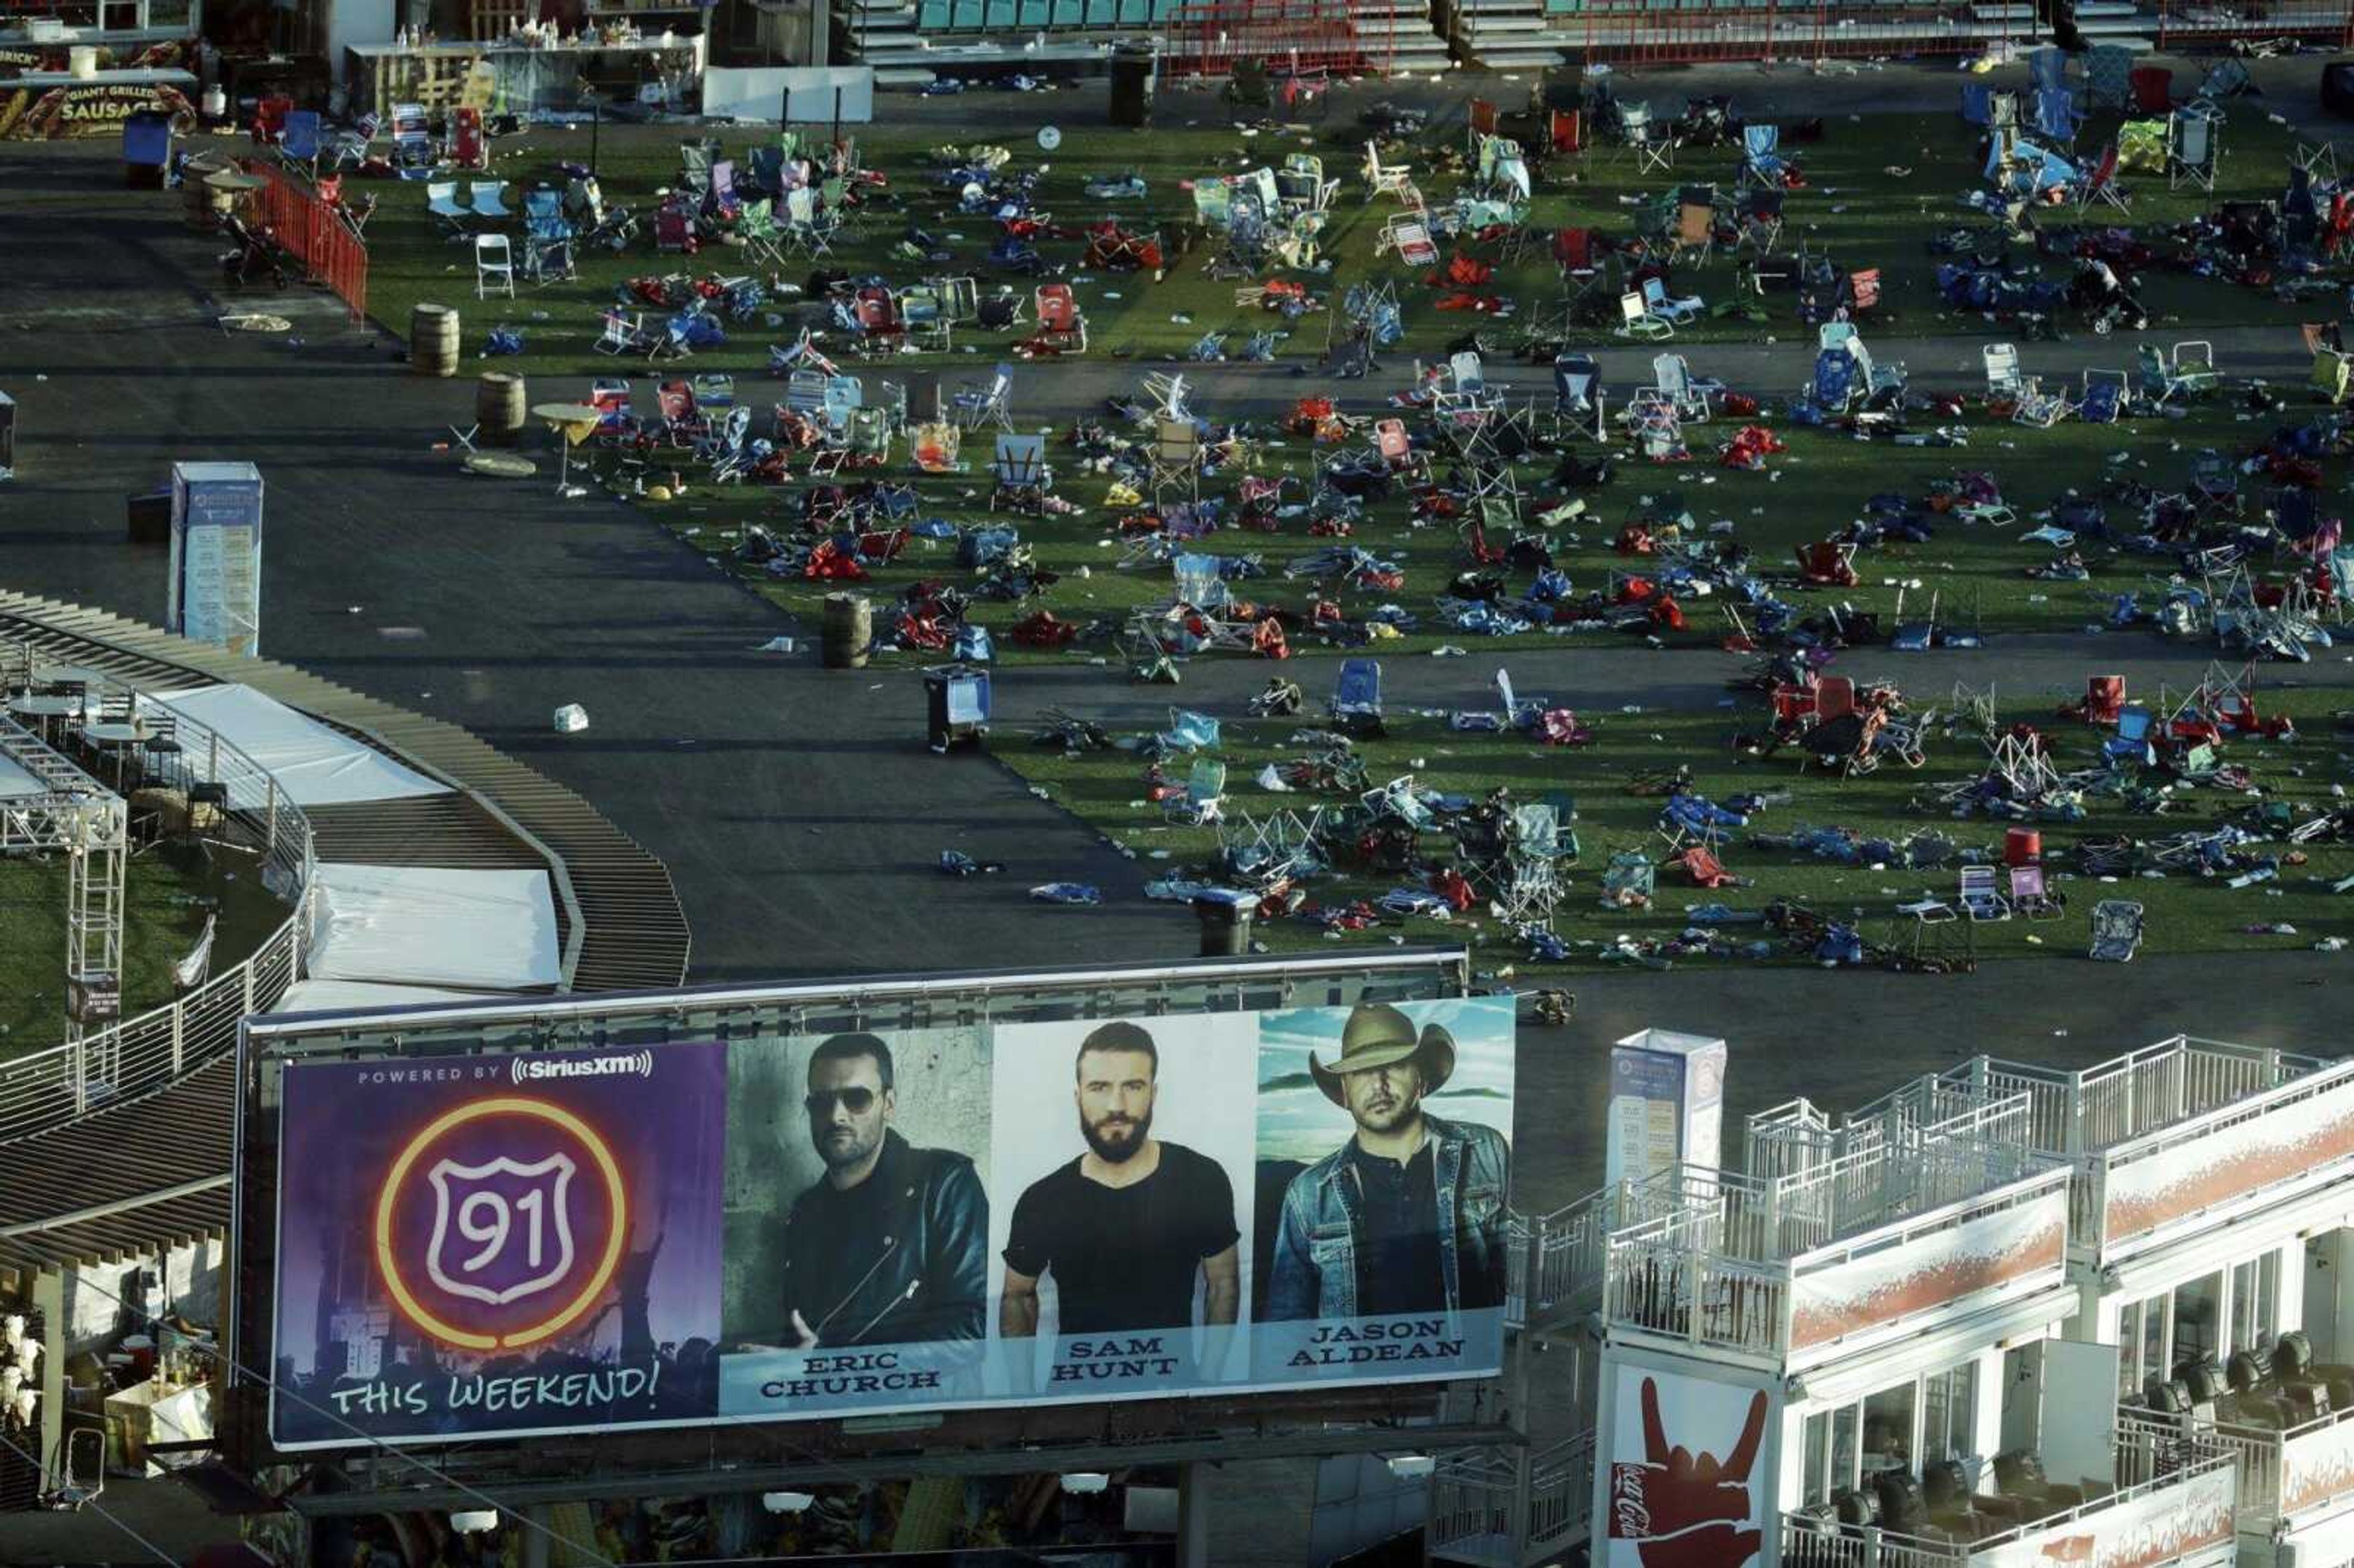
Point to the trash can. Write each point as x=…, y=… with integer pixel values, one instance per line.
x=847, y=632
x=1133, y=66
x=957, y=696
x=1226, y=923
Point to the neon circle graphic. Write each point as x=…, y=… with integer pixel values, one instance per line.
x=388, y=1198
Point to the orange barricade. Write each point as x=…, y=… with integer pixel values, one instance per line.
x=314, y=233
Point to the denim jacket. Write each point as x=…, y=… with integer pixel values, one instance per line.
x=1316, y=1247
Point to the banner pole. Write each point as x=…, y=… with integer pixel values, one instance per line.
x=1193, y=1516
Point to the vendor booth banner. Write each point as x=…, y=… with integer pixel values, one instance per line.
x=2168, y=1523
x=2143, y=1190
x=813, y=1226
x=1682, y=1487
x=32, y=59
x=2316, y=1464
x=86, y=108
x=2011, y=1247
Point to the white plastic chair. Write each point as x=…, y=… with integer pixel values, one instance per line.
x=486, y=202
x=493, y=265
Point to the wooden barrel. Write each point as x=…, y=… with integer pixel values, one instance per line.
x=849, y=627
x=433, y=341
x=201, y=207
x=499, y=407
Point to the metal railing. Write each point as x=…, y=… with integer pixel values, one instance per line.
x=1471, y=1502
x=2176, y=1148
x=2272, y=1469
x=1811, y=1542
x=1555, y=1263
x=42, y=1089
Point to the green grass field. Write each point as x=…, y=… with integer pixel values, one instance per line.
x=2187, y=912
x=168, y=892
x=1878, y=190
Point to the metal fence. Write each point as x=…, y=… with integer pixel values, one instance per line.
x=312, y=229
x=142, y=1053
x=1210, y=37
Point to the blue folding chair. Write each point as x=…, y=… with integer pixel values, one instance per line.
x=2056, y=114
x=2049, y=66
x=1761, y=158
x=1357, y=697
x=2132, y=743
x=301, y=143
x=1977, y=102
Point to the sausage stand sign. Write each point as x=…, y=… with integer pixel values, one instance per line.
x=36, y=109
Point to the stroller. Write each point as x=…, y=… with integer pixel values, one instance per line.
x=257, y=255
x=2106, y=302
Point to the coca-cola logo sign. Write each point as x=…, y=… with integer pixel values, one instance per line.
x=1630, y=1515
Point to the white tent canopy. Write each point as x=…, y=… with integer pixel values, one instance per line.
x=489, y=930
x=341, y=996
x=314, y=766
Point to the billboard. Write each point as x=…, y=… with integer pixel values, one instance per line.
x=809, y=1227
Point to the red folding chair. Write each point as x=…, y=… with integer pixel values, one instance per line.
x=1567, y=132
x=2152, y=89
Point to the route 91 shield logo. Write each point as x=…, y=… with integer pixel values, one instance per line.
x=500, y=1222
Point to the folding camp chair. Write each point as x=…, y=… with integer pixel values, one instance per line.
x=1677, y=309
x=1577, y=390
x=1202, y=799
x=484, y=196
x=412, y=141
x=1566, y=132
x=2153, y=88
x=1636, y=319
x=441, y=201
x=2333, y=369
x=985, y=402
x=493, y=266
x=1389, y=179
x=1760, y=214
x=1762, y=164
x=1060, y=325
x=2002, y=378
x=467, y=148
x=1652, y=145
x=2116, y=930
x=624, y=332
x=2057, y=117
x=695, y=160
x=1674, y=382
x=1357, y=698
x=2133, y=742
x=1022, y=475
x=2099, y=183
x=1695, y=232
x=2193, y=148
x=1408, y=235
x=1981, y=899
x=2104, y=396
x=2030, y=898
x=299, y=144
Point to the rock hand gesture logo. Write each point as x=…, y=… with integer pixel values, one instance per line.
x=1683, y=1510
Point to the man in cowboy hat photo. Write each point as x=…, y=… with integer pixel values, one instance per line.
x=1407, y=1216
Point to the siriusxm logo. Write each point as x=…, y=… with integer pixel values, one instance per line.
x=527, y=1069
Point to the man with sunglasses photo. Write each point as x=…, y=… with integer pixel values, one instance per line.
x=890, y=1245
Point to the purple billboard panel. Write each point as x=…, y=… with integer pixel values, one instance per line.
x=498, y=1244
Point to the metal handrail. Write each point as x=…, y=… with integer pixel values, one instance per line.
x=138, y=1055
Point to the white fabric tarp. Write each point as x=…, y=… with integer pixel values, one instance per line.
x=15, y=784
x=340, y=996
x=494, y=930
x=314, y=766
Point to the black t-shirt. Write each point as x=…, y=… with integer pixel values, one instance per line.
x=1124, y=1257
x=1400, y=1268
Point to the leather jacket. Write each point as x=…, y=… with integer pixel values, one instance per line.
x=906, y=1263
x=1321, y=1232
